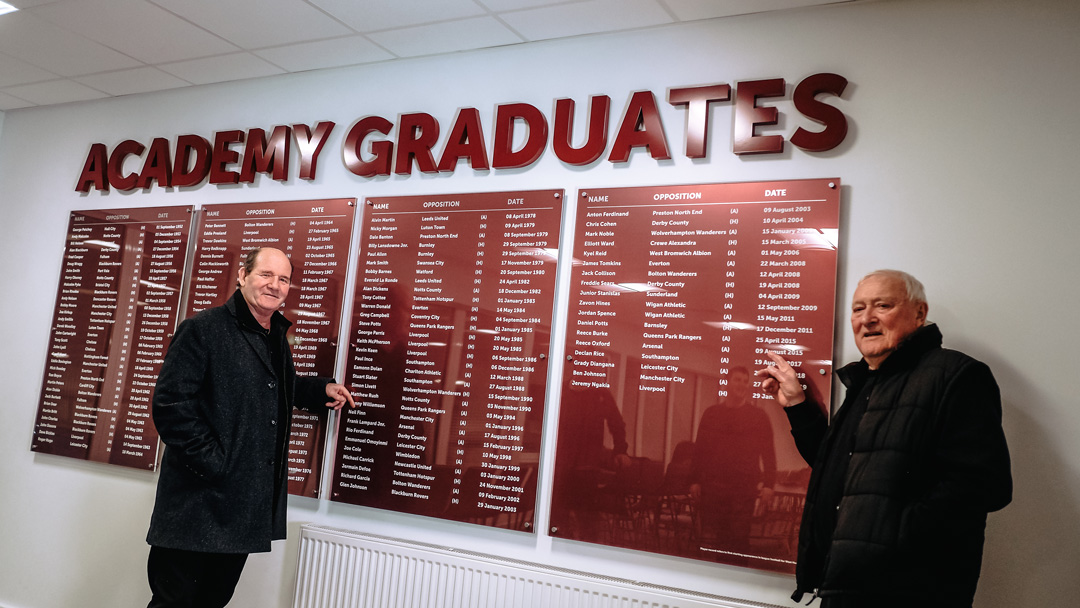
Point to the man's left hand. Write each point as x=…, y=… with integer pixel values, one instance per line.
x=339, y=396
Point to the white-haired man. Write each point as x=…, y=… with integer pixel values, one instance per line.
x=912, y=462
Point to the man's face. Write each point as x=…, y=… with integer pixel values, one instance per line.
x=265, y=287
x=882, y=317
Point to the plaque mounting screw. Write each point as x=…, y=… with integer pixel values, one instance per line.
x=821, y=371
x=569, y=357
x=584, y=194
x=554, y=529
x=832, y=185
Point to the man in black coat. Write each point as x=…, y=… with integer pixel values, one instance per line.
x=223, y=406
x=904, y=476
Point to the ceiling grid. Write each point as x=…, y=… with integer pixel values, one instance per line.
x=63, y=51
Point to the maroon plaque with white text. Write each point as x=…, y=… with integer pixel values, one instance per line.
x=316, y=235
x=447, y=355
x=116, y=307
x=666, y=442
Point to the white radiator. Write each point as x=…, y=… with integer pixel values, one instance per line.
x=341, y=569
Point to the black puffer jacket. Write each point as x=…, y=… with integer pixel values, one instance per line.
x=930, y=461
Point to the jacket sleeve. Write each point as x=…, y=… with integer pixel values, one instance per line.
x=969, y=471
x=808, y=426
x=180, y=410
x=311, y=393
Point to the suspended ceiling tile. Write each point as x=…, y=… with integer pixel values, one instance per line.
x=325, y=54
x=207, y=70
x=58, y=50
x=15, y=71
x=24, y=4
x=515, y=5
x=446, y=37
x=197, y=40
x=127, y=82
x=590, y=17
x=54, y=91
x=136, y=28
x=8, y=102
x=373, y=15
x=689, y=10
x=253, y=24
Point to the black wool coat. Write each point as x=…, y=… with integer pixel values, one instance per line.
x=222, y=485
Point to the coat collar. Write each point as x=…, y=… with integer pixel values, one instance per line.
x=252, y=331
x=926, y=338
x=238, y=308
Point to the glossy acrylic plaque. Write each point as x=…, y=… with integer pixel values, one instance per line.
x=116, y=308
x=316, y=235
x=665, y=442
x=448, y=349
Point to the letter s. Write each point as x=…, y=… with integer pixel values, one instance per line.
x=805, y=99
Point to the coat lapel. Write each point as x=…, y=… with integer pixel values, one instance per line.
x=253, y=339
x=258, y=345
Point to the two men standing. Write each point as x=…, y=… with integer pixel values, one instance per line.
x=905, y=474
x=223, y=406
x=902, y=478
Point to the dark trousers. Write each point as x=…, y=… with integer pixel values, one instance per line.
x=192, y=579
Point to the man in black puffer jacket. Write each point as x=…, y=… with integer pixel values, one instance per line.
x=905, y=474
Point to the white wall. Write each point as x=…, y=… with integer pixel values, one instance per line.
x=960, y=167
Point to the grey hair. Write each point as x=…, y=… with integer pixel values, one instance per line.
x=248, y=264
x=915, y=291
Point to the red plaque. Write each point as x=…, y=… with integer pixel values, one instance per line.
x=116, y=305
x=316, y=236
x=448, y=356
x=666, y=443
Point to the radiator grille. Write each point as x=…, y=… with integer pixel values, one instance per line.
x=342, y=569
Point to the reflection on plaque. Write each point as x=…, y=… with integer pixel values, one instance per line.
x=116, y=307
x=448, y=356
x=316, y=236
x=665, y=442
